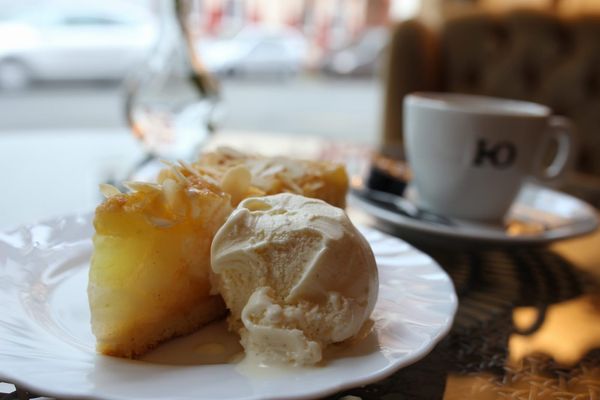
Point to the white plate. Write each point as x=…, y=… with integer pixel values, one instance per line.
x=549, y=215
x=47, y=347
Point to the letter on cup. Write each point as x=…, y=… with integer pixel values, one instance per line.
x=499, y=155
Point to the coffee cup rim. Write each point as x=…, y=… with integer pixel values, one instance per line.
x=472, y=104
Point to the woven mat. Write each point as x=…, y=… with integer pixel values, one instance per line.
x=473, y=361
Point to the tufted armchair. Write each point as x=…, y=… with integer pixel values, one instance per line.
x=527, y=55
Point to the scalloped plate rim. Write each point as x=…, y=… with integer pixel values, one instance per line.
x=415, y=355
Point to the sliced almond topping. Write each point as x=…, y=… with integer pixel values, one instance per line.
x=211, y=180
x=188, y=167
x=171, y=193
x=273, y=170
x=176, y=170
x=289, y=183
x=144, y=187
x=236, y=182
x=312, y=186
x=108, y=190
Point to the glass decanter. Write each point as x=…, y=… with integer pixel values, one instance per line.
x=170, y=102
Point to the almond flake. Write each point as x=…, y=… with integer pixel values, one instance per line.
x=143, y=187
x=108, y=190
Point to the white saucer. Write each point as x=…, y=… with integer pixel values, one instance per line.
x=46, y=344
x=540, y=215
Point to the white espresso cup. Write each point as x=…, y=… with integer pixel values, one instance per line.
x=470, y=155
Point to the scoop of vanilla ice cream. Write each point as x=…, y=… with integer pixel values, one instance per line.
x=296, y=275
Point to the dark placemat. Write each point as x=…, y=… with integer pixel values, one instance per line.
x=490, y=283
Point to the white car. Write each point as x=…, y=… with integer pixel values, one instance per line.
x=75, y=43
x=362, y=57
x=256, y=50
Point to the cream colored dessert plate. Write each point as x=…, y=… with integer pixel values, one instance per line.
x=46, y=344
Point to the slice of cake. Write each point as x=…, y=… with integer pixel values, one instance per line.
x=149, y=272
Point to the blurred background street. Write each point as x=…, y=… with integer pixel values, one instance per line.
x=296, y=67
x=344, y=109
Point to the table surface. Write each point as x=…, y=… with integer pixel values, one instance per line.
x=528, y=324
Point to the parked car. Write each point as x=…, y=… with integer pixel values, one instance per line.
x=359, y=58
x=72, y=43
x=256, y=51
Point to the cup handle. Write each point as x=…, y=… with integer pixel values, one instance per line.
x=562, y=132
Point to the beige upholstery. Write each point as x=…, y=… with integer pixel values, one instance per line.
x=526, y=55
